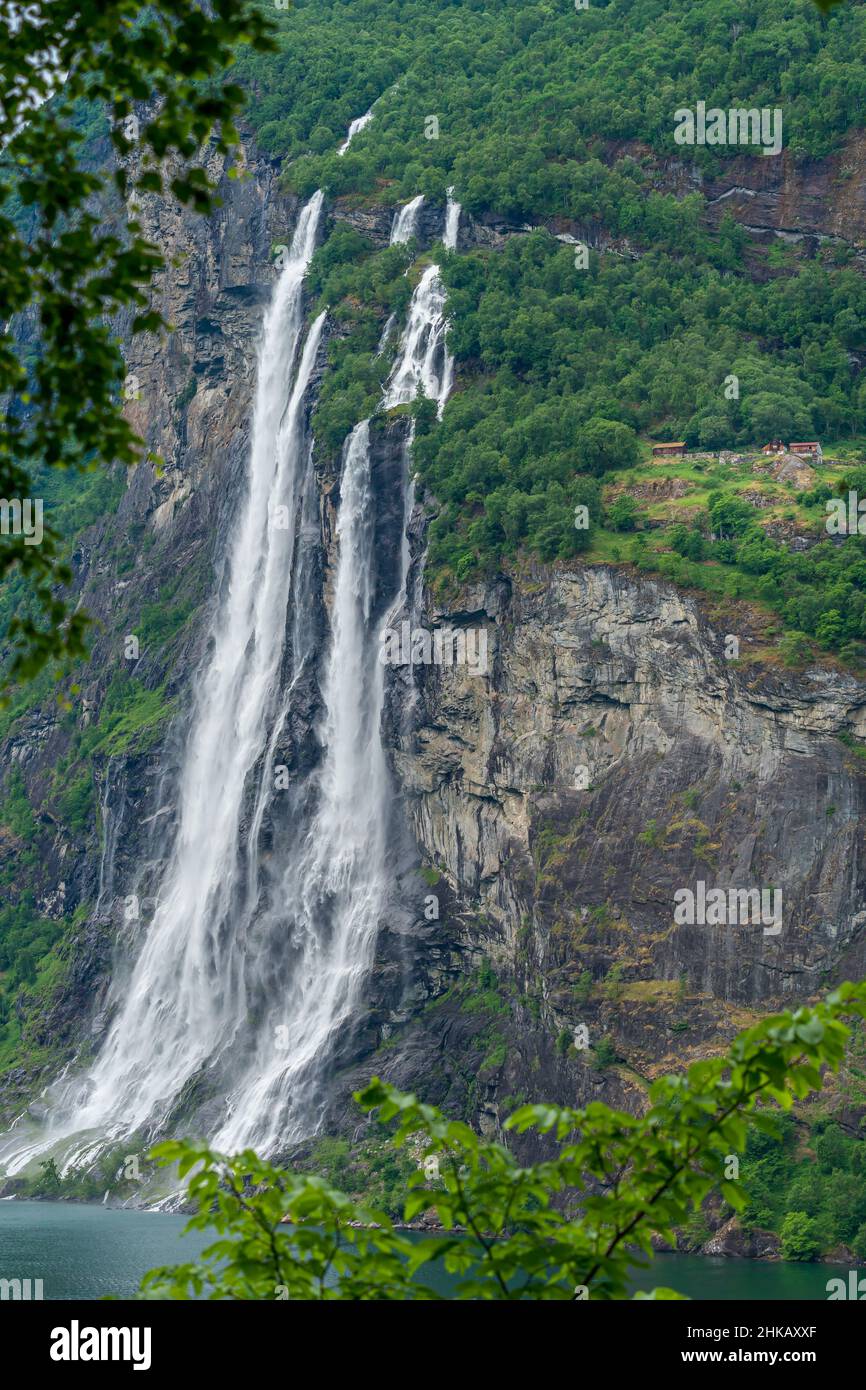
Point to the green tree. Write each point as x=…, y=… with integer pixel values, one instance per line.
x=799, y=1237
x=622, y=514
x=795, y=648
x=605, y=444
x=49, y=1182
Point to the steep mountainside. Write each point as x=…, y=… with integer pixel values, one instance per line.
x=548, y=808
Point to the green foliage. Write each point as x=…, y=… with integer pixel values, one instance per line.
x=622, y=514
x=34, y=959
x=612, y=986
x=521, y=92
x=108, y=1172
x=819, y=595
x=653, y=835
x=603, y=1054
x=560, y=367
x=74, y=256
x=25, y=941
x=76, y=804
x=48, y=1183
x=480, y=993
x=795, y=648
x=131, y=719
x=582, y=988
x=858, y=1244
x=800, y=1239
x=362, y=287
x=507, y=1232
x=814, y=1202
x=15, y=811
x=605, y=444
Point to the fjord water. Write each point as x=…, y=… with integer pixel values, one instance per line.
x=88, y=1252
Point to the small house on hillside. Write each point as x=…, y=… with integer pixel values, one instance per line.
x=774, y=447
x=812, y=451
x=669, y=451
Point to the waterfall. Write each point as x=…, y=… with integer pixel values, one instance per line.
x=355, y=128
x=333, y=894
x=421, y=362
x=249, y=970
x=181, y=1002
x=405, y=224
x=452, y=222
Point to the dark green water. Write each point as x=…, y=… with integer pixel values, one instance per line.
x=87, y=1252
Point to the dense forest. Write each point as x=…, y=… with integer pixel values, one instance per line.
x=547, y=114
x=524, y=92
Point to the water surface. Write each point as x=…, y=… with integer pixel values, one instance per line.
x=86, y=1252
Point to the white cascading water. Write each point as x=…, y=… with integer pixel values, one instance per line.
x=452, y=222
x=360, y=123
x=186, y=991
x=337, y=888
x=423, y=363
x=255, y=981
x=405, y=223
x=333, y=892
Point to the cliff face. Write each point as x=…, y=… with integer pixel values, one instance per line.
x=613, y=756
x=608, y=757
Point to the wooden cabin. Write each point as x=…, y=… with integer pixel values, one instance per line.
x=669, y=451
x=811, y=451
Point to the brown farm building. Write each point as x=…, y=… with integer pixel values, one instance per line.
x=674, y=451
x=810, y=450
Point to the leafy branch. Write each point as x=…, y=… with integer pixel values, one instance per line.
x=573, y=1225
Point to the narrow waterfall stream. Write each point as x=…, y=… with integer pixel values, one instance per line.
x=405, y=224
x=360, y=123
